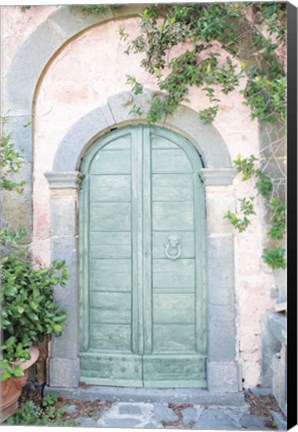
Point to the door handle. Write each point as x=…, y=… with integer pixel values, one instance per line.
x=173, y=247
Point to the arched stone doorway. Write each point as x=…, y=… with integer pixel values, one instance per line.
x=222, y=368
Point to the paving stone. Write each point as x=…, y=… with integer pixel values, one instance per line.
x=130, y=409
x=279, y=420
x=87, y=422
x=214, y=418
x=71, y=409
x=189, y=414
x=253, y=422
x=120, y=422
x=164, y=413
x=152, y=426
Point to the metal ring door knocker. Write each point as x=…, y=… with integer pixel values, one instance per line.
x=173, y=247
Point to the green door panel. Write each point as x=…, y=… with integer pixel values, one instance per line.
x=110, y=216
x=111, y=188
x=172, y=187
x=142, y=280
x=173, y=308
x=110, y=245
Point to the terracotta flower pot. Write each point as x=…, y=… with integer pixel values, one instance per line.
x=10, y=389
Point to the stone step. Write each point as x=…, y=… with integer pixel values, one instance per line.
x=129, y=394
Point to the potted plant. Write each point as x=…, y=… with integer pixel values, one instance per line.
x=29, y=311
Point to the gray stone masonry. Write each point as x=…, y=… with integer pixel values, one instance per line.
x=204, y=412
x=129, y=394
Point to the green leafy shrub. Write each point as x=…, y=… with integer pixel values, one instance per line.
x=29, y=311
x=273, y=256
x=45, y=415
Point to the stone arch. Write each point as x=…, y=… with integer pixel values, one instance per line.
x=19, y=89
x=24, y=76
x=116, y=113
x=217, y=174
x=45, y=42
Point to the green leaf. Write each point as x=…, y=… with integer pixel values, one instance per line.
x=18, y=371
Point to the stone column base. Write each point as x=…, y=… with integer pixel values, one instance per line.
x=223, y=377
x=63, y=372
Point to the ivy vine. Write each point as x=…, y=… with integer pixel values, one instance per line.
x=253, y=35
x=240, y=29
x=274, y=256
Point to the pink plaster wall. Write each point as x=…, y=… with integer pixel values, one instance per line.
x=81, y=77
x=16, y=27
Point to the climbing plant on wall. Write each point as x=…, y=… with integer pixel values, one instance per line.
x=253, y=37
x=250, y=33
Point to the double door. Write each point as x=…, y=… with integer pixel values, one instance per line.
x=142, y=316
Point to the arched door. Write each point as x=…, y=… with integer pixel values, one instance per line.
x=142, y=233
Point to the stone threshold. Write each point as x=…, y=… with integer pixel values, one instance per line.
x=147, y=395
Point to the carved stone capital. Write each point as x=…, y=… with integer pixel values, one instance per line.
x=64, y=180
x=218, y=177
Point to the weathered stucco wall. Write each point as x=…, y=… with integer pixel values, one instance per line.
x=81, y=77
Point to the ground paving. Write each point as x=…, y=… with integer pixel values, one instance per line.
x=257, y=412
x=160, y=416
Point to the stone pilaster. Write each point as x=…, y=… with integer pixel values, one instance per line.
x=222, y=368
x=63, y=363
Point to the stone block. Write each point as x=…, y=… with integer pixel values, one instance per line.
x=279, y=385
x=16, y=209
x=217, y=208
x=222, y=333
x=65, y=248
x=269, y=346
x=163, y=413
x=130, y=409
x=190, y=414
x=71, y=409
x=217, y=419
x=128, y=10
x=223, y=377
x=220, y=270
x=86, y=422
x=23, y=74
x=66, y=345
x=215, y=154
x=72, y=19
x=21, y=136
x=63, y=372
x=120, y=422
x=66, y=181
x=218, y=177
x=121, y=105
x=253, y=422
x=64, y=216
x=277, y=325
x=279, y=420
x=72, y=147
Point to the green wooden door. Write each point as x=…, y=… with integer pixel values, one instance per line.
x=142, y=314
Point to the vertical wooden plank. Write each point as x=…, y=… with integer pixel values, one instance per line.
x=137, y=240
x=147, y=258
x=200, y=302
